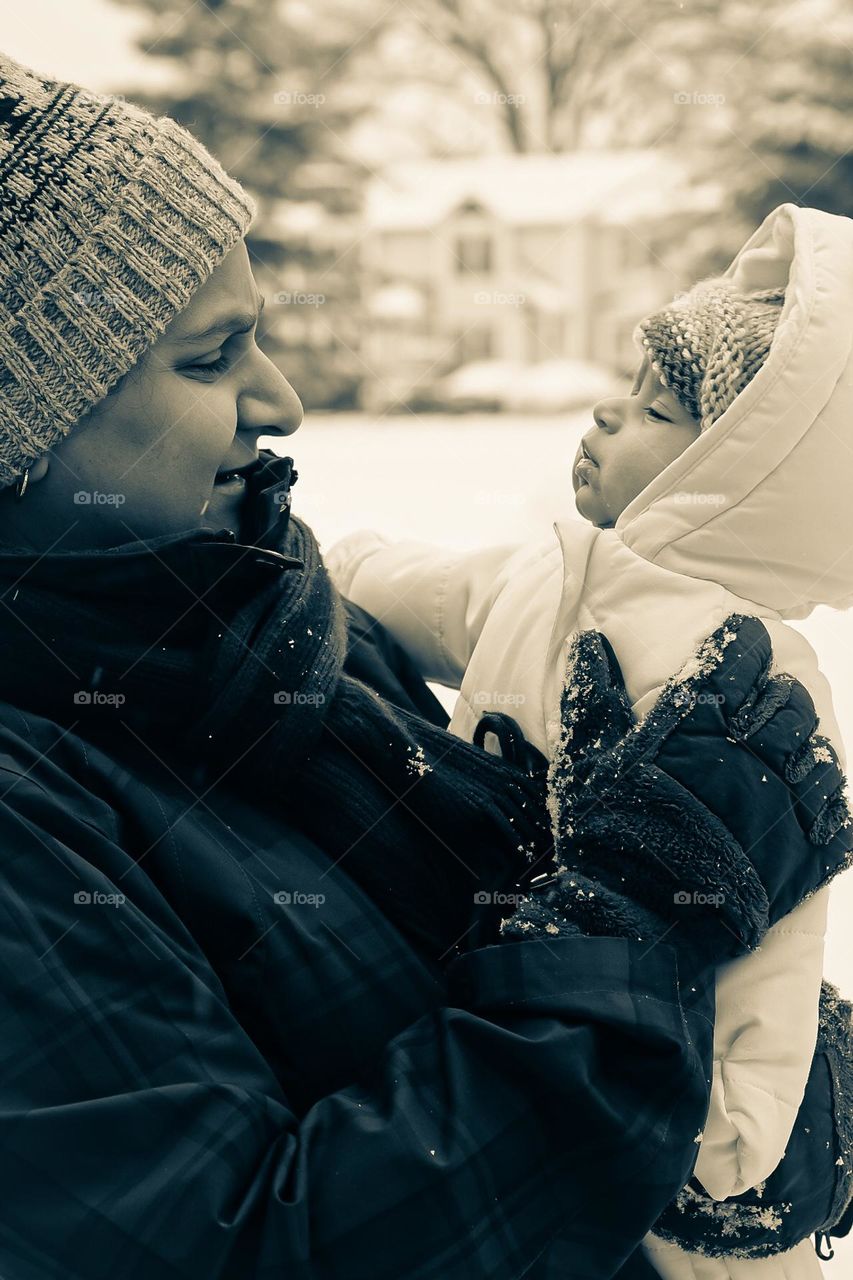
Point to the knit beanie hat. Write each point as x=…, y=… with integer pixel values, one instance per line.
x=110, y=220
x=709, y=343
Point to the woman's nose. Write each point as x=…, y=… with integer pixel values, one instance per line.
x=291, y=412
x=271, y=405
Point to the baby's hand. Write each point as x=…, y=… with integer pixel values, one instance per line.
x=725, y=799
x=718, y=813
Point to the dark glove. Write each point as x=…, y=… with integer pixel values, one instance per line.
x=810, y=1192
x=706, y=823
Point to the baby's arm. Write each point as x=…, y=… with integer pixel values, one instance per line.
x=433, y=601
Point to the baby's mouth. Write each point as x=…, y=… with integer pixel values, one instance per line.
x=584, y=468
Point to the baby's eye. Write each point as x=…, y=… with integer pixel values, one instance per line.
x=658, y=417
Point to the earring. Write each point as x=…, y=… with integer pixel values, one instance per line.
x=21, y=484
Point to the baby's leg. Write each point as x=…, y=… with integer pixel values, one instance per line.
x=674, y=1263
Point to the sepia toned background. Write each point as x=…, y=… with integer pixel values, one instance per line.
x=464, y=208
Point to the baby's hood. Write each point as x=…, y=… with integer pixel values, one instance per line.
x=762, y=502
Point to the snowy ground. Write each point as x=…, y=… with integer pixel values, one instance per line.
x=472, y=480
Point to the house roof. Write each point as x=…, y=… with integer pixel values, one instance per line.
x=529, y=190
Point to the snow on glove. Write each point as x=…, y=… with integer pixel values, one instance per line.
x=811, y=1189
x=708, y=821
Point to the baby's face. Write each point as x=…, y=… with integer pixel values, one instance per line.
x=633, y=440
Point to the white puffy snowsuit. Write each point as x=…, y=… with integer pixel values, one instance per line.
x=756, y=516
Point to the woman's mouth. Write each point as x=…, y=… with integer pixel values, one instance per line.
x=233, y=480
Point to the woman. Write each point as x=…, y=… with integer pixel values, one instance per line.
x=229, y=1050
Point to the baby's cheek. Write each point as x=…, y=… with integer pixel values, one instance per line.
x=639, y=467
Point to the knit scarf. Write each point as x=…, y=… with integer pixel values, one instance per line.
x=226, y=657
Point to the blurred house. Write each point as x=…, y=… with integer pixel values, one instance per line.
x=528, y=258
x=299, y=251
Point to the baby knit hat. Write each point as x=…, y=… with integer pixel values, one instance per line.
x=709, y=343
x=110, y=220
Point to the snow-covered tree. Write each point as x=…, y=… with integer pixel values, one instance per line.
x=265, y=87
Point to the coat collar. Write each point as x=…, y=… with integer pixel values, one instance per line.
x=183, y=565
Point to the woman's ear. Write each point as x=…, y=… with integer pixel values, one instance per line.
x=39, y=469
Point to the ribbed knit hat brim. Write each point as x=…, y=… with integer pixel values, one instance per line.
x=111, y=219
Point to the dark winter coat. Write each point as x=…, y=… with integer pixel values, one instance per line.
x=200, y=1081
x=220, y=1060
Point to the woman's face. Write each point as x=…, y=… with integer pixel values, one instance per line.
x=635, y=438
x=144, y=461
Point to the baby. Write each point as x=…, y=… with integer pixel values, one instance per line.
x=717, y=486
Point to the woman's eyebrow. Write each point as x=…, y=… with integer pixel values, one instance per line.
x=241, y=322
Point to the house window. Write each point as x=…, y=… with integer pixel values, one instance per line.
x=473, y=255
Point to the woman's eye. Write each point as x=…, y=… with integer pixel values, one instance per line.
x=219, y=365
